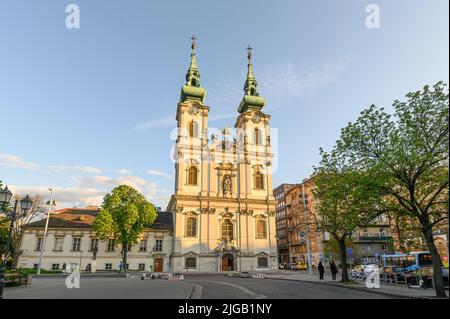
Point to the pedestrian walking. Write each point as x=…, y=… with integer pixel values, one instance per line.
x=333, y=270
x=321, y=270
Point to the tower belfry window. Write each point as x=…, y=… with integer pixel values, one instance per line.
x=257, y=136
x=192, y=176
x=259, y=180
x=193, y=129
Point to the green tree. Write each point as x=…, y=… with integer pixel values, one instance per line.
x=345, y=200
x=411, y=149
x=37, y=211
x=123, y=217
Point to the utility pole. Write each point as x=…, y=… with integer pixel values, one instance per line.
x=308, y=243
x=41, y=254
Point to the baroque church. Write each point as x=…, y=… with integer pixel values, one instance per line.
x=223, y=206
x=221, y=216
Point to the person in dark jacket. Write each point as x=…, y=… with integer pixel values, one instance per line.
x=321, y=270
x=333, y=270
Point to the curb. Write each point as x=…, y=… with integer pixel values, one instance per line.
x=356, y=288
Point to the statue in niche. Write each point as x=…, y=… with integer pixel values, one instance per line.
x=226, y=185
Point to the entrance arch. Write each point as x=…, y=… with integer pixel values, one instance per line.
x=228, y=262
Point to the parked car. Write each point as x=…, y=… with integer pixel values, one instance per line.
x=301, y=266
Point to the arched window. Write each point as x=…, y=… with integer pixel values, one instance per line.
x=262, y=262
x=190, y=262
x=227, y=229
x=191, y=227
x=257, y=136
x=192, y=176
x=259, y=180
x=193, y=129
x=261, y=229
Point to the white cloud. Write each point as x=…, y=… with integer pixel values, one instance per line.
x=162, y=122
x=78, y=168
x=65, y=196
x=15, y=161
x=158, y=173
x=123, y=171
x=91, y=190
x=280, y=84
x=284, y=83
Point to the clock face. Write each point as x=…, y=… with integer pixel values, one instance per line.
x=256, y=118
x=194, y=109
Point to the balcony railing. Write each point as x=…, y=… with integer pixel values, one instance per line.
x=374, y=238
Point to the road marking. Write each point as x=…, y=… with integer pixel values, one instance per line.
x=196, y=292
x=249, y=292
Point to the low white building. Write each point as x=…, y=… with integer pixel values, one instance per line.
x=71, y=240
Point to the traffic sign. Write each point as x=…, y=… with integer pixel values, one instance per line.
x=350, y=252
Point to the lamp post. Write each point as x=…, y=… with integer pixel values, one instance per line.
x=41, y=253
x=25, y=205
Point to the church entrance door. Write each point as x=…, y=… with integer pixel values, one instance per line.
x=227, y=262
x=158, y=265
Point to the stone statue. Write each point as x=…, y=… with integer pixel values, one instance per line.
x=226, y=185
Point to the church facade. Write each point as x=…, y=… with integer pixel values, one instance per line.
x=223, y=206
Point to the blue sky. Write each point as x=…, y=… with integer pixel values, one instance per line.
x=86, y=109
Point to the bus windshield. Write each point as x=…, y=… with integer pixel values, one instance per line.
x=425, y=260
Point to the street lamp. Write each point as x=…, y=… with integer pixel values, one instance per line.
x=5, y=195
x=25, y=205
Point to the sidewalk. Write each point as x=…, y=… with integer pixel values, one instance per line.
x=394, y=290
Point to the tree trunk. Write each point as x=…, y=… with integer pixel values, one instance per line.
x=15, y=258
x=343, y=253
x=124, y=257
x=437, y=268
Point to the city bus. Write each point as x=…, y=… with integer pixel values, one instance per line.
x=408, y=262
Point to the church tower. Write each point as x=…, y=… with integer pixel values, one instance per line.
x=223, y=208
x=192, y=123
